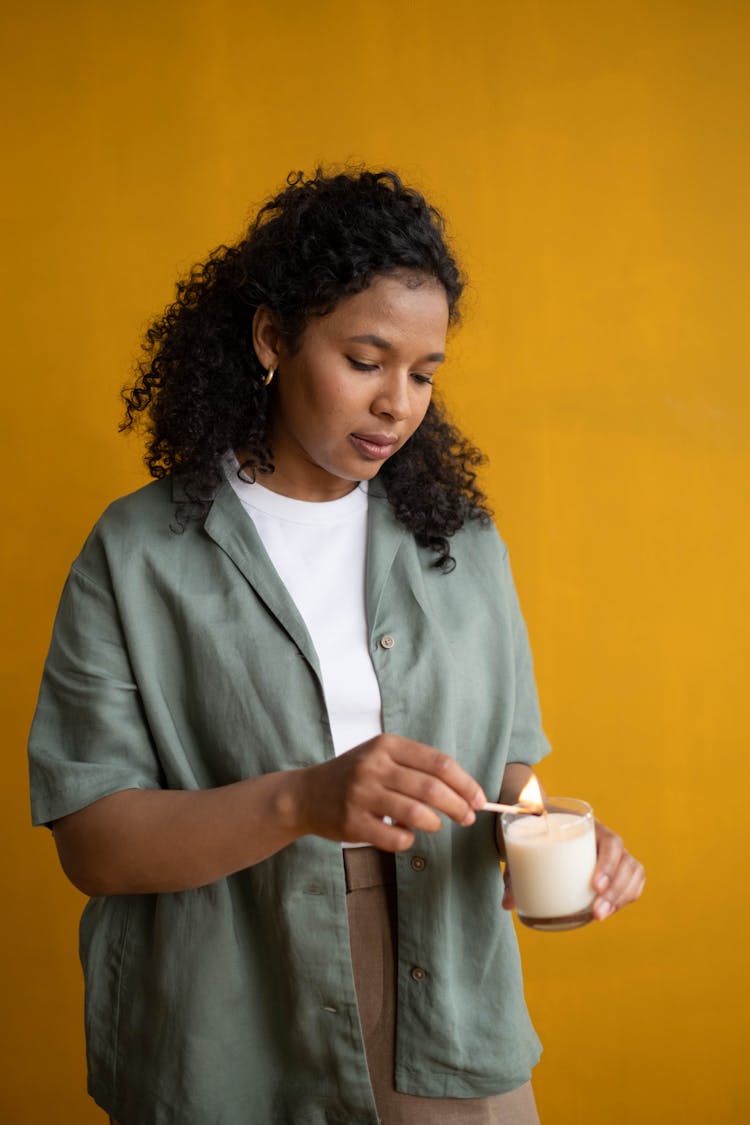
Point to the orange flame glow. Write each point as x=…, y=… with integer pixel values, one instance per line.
x=531, y=796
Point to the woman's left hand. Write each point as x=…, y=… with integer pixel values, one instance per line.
x=618, y=876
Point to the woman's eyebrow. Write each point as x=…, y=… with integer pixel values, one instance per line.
x=379, y=342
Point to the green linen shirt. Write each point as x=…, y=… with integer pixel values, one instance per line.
x=180, y=661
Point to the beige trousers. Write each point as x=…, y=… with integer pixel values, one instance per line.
x=371, y=906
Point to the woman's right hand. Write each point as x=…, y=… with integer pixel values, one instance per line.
x=348, y=797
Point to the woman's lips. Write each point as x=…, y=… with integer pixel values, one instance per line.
x=375, y=447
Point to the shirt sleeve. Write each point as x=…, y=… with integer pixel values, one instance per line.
x=89, y=736
x=528, y=742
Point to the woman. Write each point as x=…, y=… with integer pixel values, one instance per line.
x=303, y=634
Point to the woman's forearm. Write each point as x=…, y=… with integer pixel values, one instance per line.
x=143, y=841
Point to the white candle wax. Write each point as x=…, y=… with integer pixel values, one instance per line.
x=552, y=860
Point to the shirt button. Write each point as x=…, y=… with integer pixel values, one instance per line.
x=387, y=641
x=418, y=863
x=418, y=973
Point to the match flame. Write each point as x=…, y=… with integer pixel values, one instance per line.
x=531, y=796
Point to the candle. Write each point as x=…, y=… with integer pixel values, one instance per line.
x=552, y=859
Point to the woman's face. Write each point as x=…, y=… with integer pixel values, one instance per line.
x=357, y=387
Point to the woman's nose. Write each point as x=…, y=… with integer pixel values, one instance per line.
x=393, y=398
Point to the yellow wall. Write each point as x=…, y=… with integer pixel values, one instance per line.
x=593, y=160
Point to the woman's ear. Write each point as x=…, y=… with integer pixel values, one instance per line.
x=266, y=337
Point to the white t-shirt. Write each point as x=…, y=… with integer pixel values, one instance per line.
x=319, y=551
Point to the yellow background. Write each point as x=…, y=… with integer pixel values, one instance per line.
x=593, y=161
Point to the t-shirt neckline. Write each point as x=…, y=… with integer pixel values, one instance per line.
x=254, y=495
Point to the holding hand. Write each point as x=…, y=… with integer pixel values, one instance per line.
x=388, y=776
x=618, y=877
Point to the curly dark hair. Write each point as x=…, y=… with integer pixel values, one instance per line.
x=201, y=385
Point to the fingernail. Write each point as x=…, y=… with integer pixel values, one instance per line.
x=469, y=819
x=479, y=799
x=601, y=882
x=602, y=910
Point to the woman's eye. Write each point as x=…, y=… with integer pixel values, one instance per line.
x=359, y=366
x=423, y=379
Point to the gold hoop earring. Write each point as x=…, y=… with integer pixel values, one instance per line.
x=269, y=376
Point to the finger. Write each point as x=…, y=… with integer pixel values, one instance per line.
x=602, y=909
x=626, y=886
x=610, y=851
x=430, y=791
x=386, y=837
x=427, y=759
x=395, y=793
x=408, y=811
